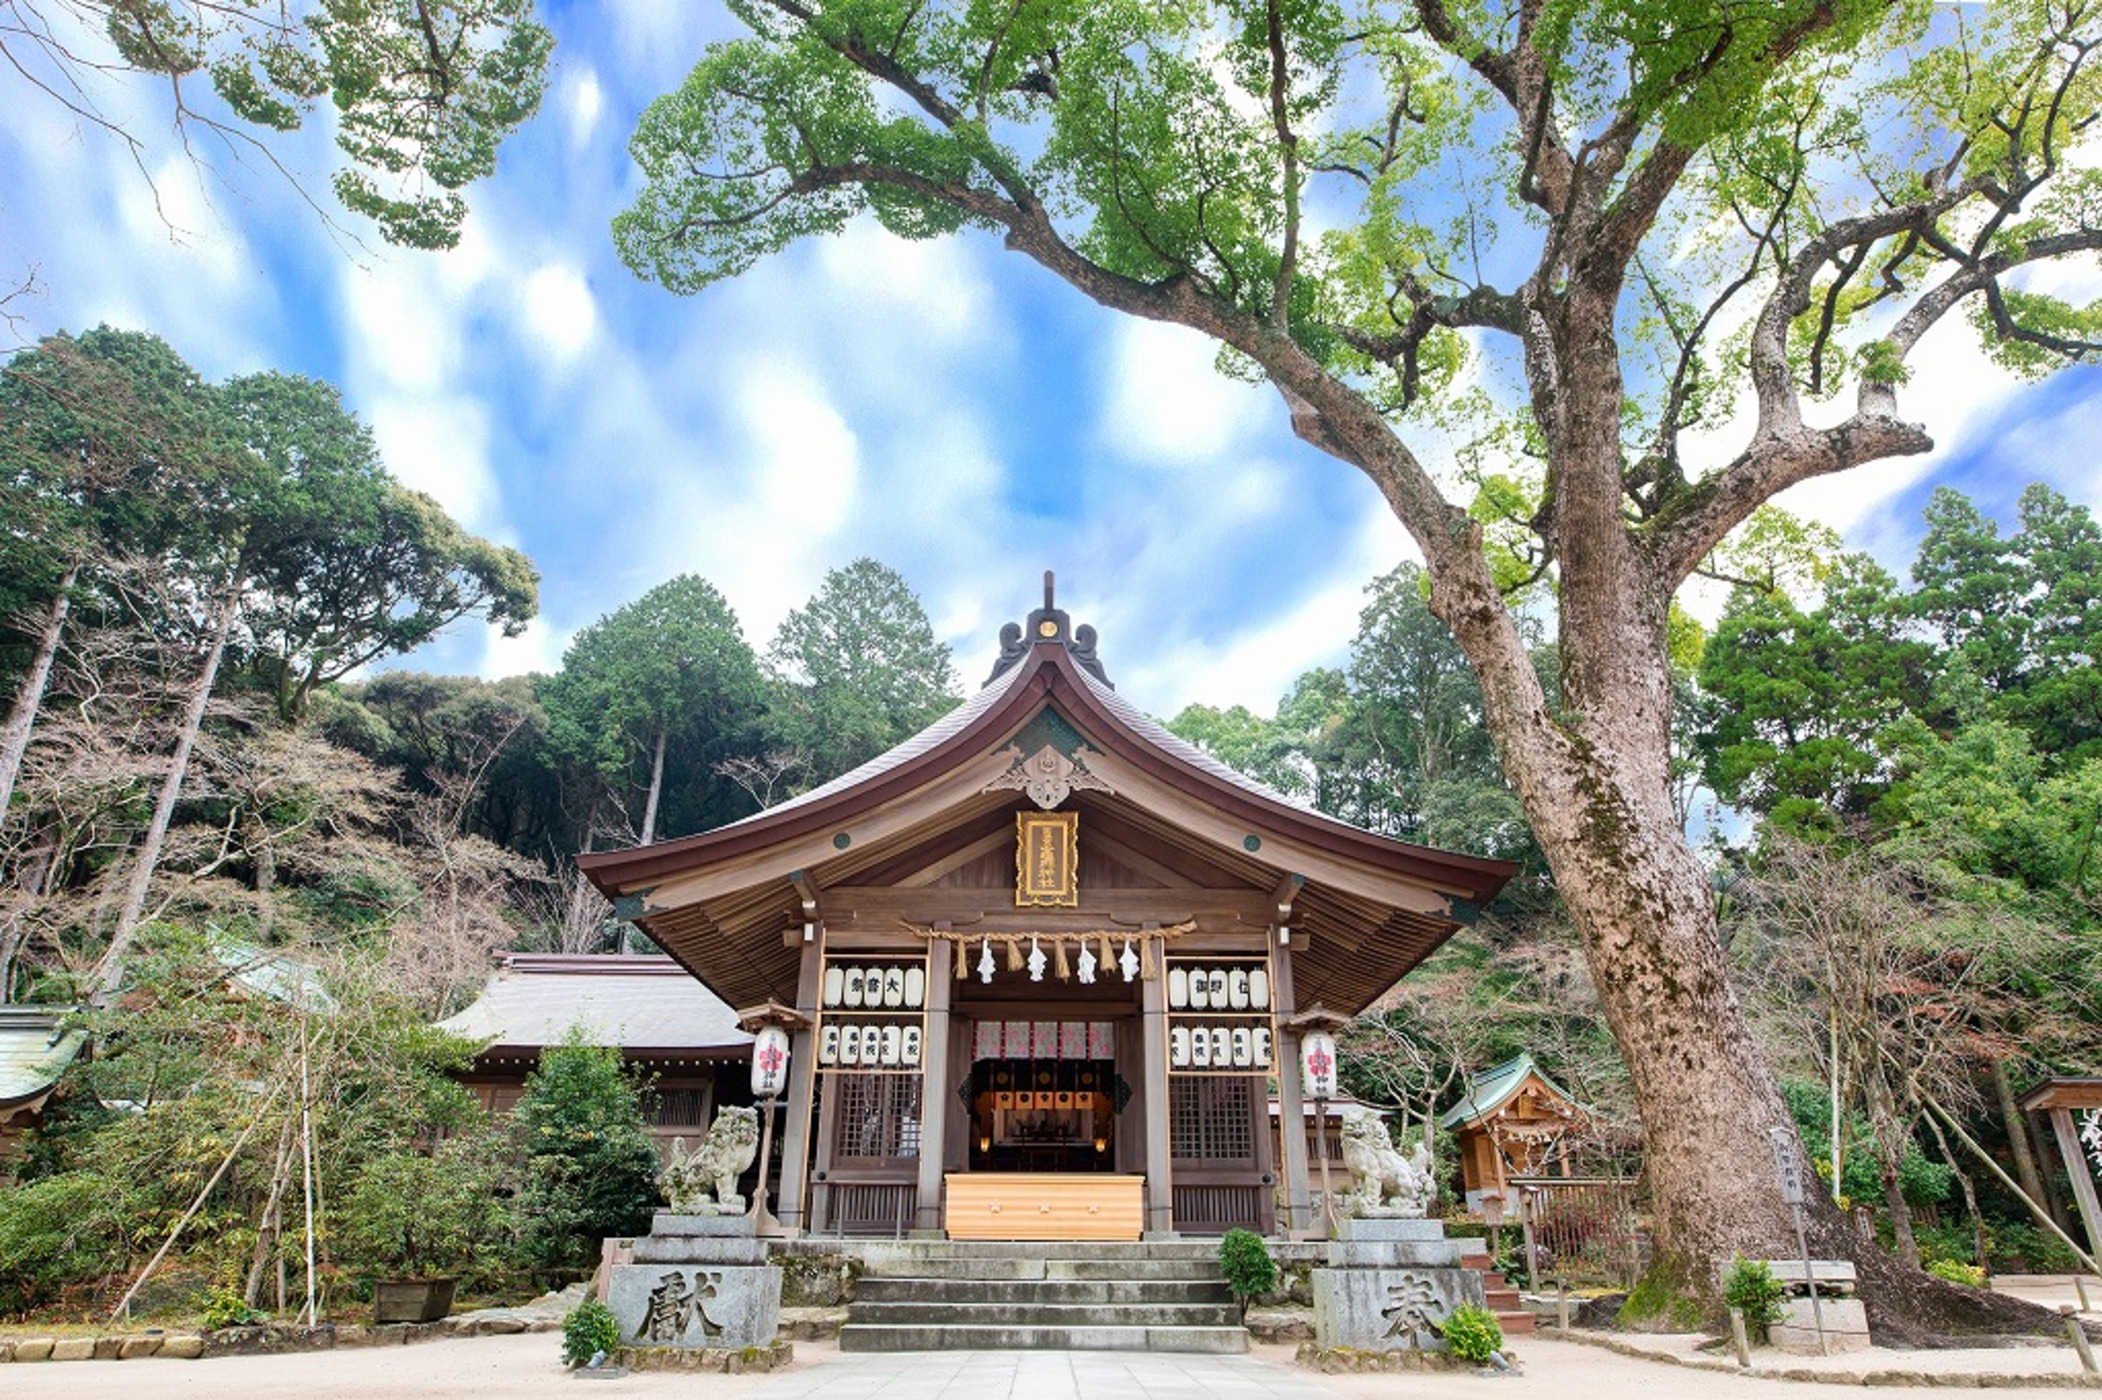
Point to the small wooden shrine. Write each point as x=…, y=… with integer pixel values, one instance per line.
x=1045, y=961
x=1514, y=1123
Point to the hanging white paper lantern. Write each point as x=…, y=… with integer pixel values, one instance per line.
x=985, y=960
x=769, y=1062
x=1317, y=1064
x=1087, y=963
x=1036, y=962
x=1128, y=962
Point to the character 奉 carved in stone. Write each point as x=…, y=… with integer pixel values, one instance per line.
x=1382, y=1170
x=705, y=1183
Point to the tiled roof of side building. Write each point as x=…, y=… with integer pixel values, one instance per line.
x=633, y=1001
x=35, y=1048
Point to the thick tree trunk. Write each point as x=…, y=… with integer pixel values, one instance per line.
x=110, y=974
x=21, y=715
x=649, y=806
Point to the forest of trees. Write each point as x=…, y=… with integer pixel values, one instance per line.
x=1900, y=786
x=202, y=577
x=1901, y=791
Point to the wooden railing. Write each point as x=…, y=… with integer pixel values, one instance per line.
x=869, y=1208
x=1580, y=1230
x=1213, y=1210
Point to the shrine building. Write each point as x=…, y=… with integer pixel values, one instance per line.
x=1043, y=964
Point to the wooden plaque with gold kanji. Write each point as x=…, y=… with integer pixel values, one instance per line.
x=1047, y=859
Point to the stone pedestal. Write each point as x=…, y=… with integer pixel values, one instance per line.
x=697, y=1281
x=1846, y=1326
x=1389, y=1285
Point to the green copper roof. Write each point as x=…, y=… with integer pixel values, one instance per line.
x=34, y=1050
x=1494, y=1089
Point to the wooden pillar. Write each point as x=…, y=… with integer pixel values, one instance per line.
x=934, y=1094
x=2081, y=1173
x=956, y=1143
x=1153, y=1018
x=1291, y=1098
x=802, y=1085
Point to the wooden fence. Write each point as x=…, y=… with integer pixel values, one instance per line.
x=1581, y=1230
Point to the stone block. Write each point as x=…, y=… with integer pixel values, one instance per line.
x=183, y=1346
x=707, y=1305
x=73, y=1349
x=1389, y=1309
x=1376, y=1254
x=666, y=1222
x=136, y=1347
x=34, y=1349
x=699, y=1249
x=7, y=1349
x=1388, y=1227
x=1846, y=1326
x=108, y=1348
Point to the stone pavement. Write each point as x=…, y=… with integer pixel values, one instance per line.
x=510, y=1367
x=1039, y=1375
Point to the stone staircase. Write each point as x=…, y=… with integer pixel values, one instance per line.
x=1503, y=1300
x=967, y=1295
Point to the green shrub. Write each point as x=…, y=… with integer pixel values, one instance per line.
x=413, y=1216
x=1954, y=1242
x=1969, y=1275
x=588, y=1329
x=1246, y=1262
x=55, y=1232
x=1750, y=1287
x=225, y=1307
x=591, y=1169
x=1473, y=1333
x=2019, y=1247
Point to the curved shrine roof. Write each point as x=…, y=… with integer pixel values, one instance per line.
x=1375, y=906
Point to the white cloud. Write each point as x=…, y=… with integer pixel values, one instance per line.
x=583, y=102
x=538, y=648
x=804, y=460
x=1166, y=402
x=557, y=313
x=440, y=445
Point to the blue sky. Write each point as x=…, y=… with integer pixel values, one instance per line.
x=946, y=407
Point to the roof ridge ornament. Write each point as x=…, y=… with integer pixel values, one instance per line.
x=1048, y=776
x=1048, y=625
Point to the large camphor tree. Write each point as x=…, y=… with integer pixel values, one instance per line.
x=1704, y=240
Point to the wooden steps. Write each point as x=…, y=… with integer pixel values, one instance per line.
x=1503, y=1300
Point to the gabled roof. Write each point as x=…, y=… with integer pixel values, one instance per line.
x=646, y=1005
x=272, y=973
x=35, y=1048
x=1497, y=1087
x=718, y=901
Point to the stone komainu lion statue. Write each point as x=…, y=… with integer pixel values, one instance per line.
x=1383, y=1171
x=706, y=1182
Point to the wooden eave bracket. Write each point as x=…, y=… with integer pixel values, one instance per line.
x=771, y=1013
x=1315, y=1018
x=806, y=894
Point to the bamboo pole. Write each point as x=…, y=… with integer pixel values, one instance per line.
x=124, y=1304
x=2043, y=1216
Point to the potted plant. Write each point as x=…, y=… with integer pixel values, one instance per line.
x=416, y=1222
